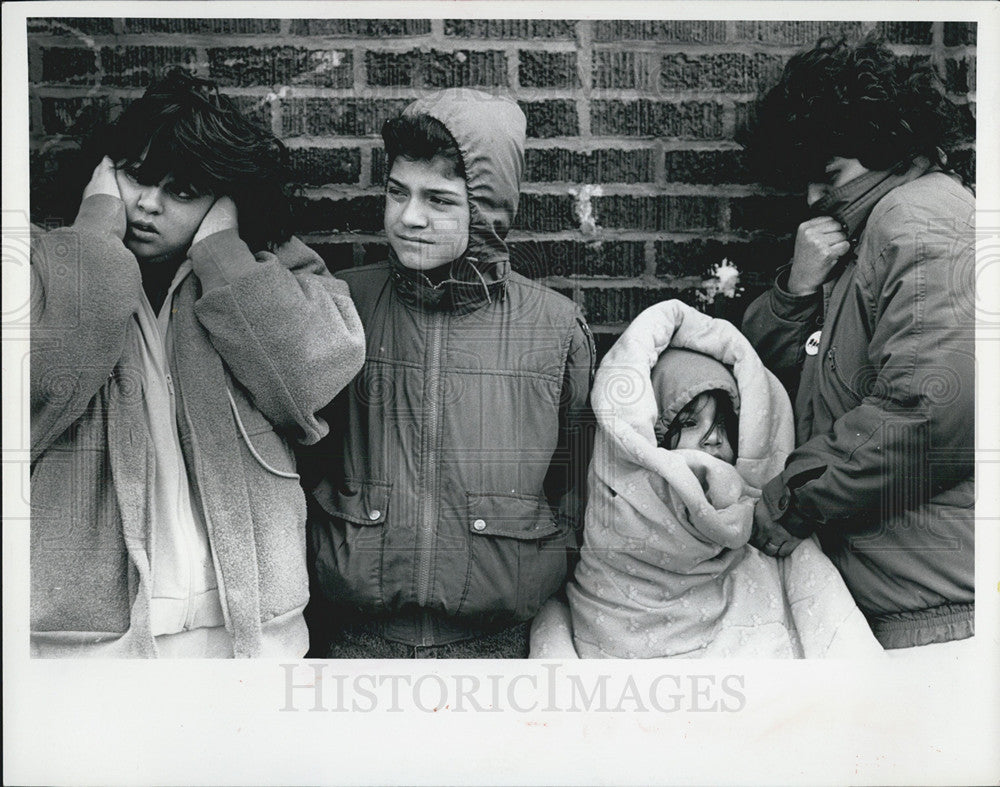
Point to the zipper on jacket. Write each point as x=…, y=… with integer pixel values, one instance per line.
x=429, y=504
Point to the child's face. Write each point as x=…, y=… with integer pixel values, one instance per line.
x=426, y=213
x=162, y=217
x=702, y=429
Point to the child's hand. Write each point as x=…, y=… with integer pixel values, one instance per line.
x=103, y=180
x=770, y=537
x=221, y=216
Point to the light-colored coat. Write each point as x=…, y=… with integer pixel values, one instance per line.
x=260, y=345
x=665, y=568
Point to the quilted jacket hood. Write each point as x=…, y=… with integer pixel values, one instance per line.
x=490, y=132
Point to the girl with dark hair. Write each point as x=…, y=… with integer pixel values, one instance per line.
x=872, y=324
x=181, y=341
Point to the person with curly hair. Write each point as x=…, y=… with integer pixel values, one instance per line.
x=871, y=328
x=182, y=340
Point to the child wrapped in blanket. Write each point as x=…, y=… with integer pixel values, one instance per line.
x=690, y=425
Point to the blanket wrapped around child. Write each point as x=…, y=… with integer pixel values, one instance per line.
x=665, y=567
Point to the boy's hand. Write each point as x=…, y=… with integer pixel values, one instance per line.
x=819, y=243
x=770, y=537
x=221, y=216
x=103, y=180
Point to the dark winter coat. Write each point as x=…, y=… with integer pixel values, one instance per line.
x=883, y=470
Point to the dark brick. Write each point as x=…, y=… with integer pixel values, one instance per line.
x=349, y=117
x=599, y=166
x=548, y=119
x=436, y=69
x=248, y=66
x=216, y=26
x=960, y=75
x=545, y=212
x=66, y=65
x=960, y=33
x=454, y=69
x=392, y=68
x=547, y=69
x=706, y=166
x=337, y=256
x=362, y=28
x=319, y=166
x=798, y=33
x=379, y=162
x=671, y=213
x=780, y=215
x=734, y=72
x=967, y=120
x=510, y=28
x=622, y=69
x=71, y=26
x=606, y=306
x=139, y=66
x=359, y=214
x=256, y=109
x=75, y=116
x=906, y=32
x=539, y=259
x=696, y=257
x=643, y=118
x=57, y=175
x=700, y=32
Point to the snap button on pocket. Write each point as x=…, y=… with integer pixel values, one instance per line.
x=479, y=524
x=374, y=514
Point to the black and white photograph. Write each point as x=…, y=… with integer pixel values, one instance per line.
x=466, y=393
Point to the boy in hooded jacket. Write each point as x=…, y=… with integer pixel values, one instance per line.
x=181, y=341
x=449, y=491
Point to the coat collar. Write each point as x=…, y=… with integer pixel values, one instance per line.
x=467, y=287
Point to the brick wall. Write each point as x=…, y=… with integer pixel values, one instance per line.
x=633, y=186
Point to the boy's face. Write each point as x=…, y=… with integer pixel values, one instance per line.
x=702, y=429
x=162, y=217
x=426, y=213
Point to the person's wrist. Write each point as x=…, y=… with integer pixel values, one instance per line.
x=796, y=286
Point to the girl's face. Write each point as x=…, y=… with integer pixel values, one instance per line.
x=702, y=428
x=162, y=217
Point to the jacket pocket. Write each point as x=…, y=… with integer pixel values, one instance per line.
x=350, y=545
x=265, y=445
x=517, y=555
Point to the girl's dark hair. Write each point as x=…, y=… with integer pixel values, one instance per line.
x=420, y=138
x=724, y=411
x=859, y=101
x=184, y=127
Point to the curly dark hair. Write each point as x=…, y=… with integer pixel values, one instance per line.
x=421, y=138
x=184, y=127
x=856, y=101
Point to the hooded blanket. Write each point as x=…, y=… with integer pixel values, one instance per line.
x=665, y=567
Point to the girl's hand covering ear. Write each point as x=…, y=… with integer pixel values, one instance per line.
x=103, y=181
x=221, y=216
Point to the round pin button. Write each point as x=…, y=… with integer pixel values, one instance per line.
x=812, y=343
x=479, y=524
x=374, y=514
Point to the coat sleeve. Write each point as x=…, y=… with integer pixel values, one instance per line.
x=912, y=434
x=285, y=327
x=566, y=480
x=85, y=287
x=778, y=324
